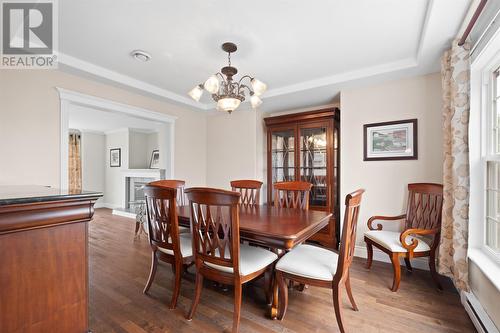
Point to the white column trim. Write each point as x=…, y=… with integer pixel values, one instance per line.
x=67, y=98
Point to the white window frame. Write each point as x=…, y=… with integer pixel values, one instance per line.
x=480, y=146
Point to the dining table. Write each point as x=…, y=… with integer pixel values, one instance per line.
x=274, y=228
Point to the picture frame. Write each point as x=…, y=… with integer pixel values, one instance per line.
x=115, y=157
x=154, y=163
x=392, y=140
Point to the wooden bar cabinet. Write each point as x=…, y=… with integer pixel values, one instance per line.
x=305, y=146
x=44, y=259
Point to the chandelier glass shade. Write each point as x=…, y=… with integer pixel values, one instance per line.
x=227, y=92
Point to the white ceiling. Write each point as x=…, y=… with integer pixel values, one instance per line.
x=93, y=120
x=306, y=51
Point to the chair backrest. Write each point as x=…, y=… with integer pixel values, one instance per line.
x=425, y=203
x=250, y=191
x=348, y=238
x=215, y=225
x=163, y=227
x=173, y=183
x=293, y=194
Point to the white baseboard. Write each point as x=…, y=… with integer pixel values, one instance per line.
x=124, y=213
x=476, y=312
x=106, y=205
x=360, y=251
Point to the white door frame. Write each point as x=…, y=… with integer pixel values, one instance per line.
x=68, y=98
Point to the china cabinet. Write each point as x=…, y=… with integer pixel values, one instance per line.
x=305, y=146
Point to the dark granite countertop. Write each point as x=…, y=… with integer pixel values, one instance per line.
x=19, y=194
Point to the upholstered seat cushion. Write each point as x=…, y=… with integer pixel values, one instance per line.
x=310, y=262
x=390, y=240
x=252, y=259
x=185, y=244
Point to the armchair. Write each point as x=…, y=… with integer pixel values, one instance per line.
x=422, y=218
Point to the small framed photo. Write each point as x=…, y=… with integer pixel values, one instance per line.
x=393, y=140
x=155, y=160
x=115, y=157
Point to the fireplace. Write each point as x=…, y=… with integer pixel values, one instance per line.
x=135, y=188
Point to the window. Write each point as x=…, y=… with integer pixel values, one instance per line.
x=492, y=161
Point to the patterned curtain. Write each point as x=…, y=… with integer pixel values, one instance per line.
x=74, y=163
x=455, y=72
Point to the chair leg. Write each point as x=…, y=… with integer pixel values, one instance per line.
x=434, y=274
x=237, y=306
x=282, y=295
x=349, y=292
x=408, y=265
x=337, y=299
x=177, y=287
x=197, y=292
x=268, y=284
x=397, y=271
x=369, y=251
x=152, y=272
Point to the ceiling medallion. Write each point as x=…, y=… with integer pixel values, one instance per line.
x=228, y=93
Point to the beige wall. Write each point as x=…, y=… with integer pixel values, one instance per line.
x=29, y=126
x=231, y=148
x=385, y=181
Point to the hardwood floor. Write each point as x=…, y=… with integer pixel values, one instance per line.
x=119, y=267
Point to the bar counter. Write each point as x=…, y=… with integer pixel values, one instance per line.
x=44, y=259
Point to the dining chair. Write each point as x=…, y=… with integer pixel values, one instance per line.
x=181, y=197
x=293, y=194
x=218, y=254
x=167, y=244
x=422, y=218
x=173, y=183
x=320, y=267
x=250, y=191
x=250, y=198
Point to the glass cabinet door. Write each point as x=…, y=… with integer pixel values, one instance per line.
x=283, y=155
x=313, y=163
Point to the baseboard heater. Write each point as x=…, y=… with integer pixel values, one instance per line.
x=476, y=312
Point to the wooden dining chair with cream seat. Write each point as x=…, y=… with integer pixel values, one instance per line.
x=181, y=196
x=320, y=267
x=249, y=189
x=293, y=194
x=250, y=197
x=218, y=253
x=422, y=218
x=167, y=244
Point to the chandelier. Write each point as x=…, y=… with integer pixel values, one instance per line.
x=228, y=93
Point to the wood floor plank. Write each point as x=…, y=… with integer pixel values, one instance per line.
x=119, y=266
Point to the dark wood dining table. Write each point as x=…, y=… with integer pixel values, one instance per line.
x=273, y=227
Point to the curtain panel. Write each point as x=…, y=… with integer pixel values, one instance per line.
x=75, y=162
x=455, y=72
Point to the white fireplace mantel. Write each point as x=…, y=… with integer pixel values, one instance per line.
x=144, y=173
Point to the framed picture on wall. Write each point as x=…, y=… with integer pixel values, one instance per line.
x=115, y=157
x=392, y=140
x=155, y=160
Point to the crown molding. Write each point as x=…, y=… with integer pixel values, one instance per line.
x=424, y=30
x=126, y=80
x=344, y=77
